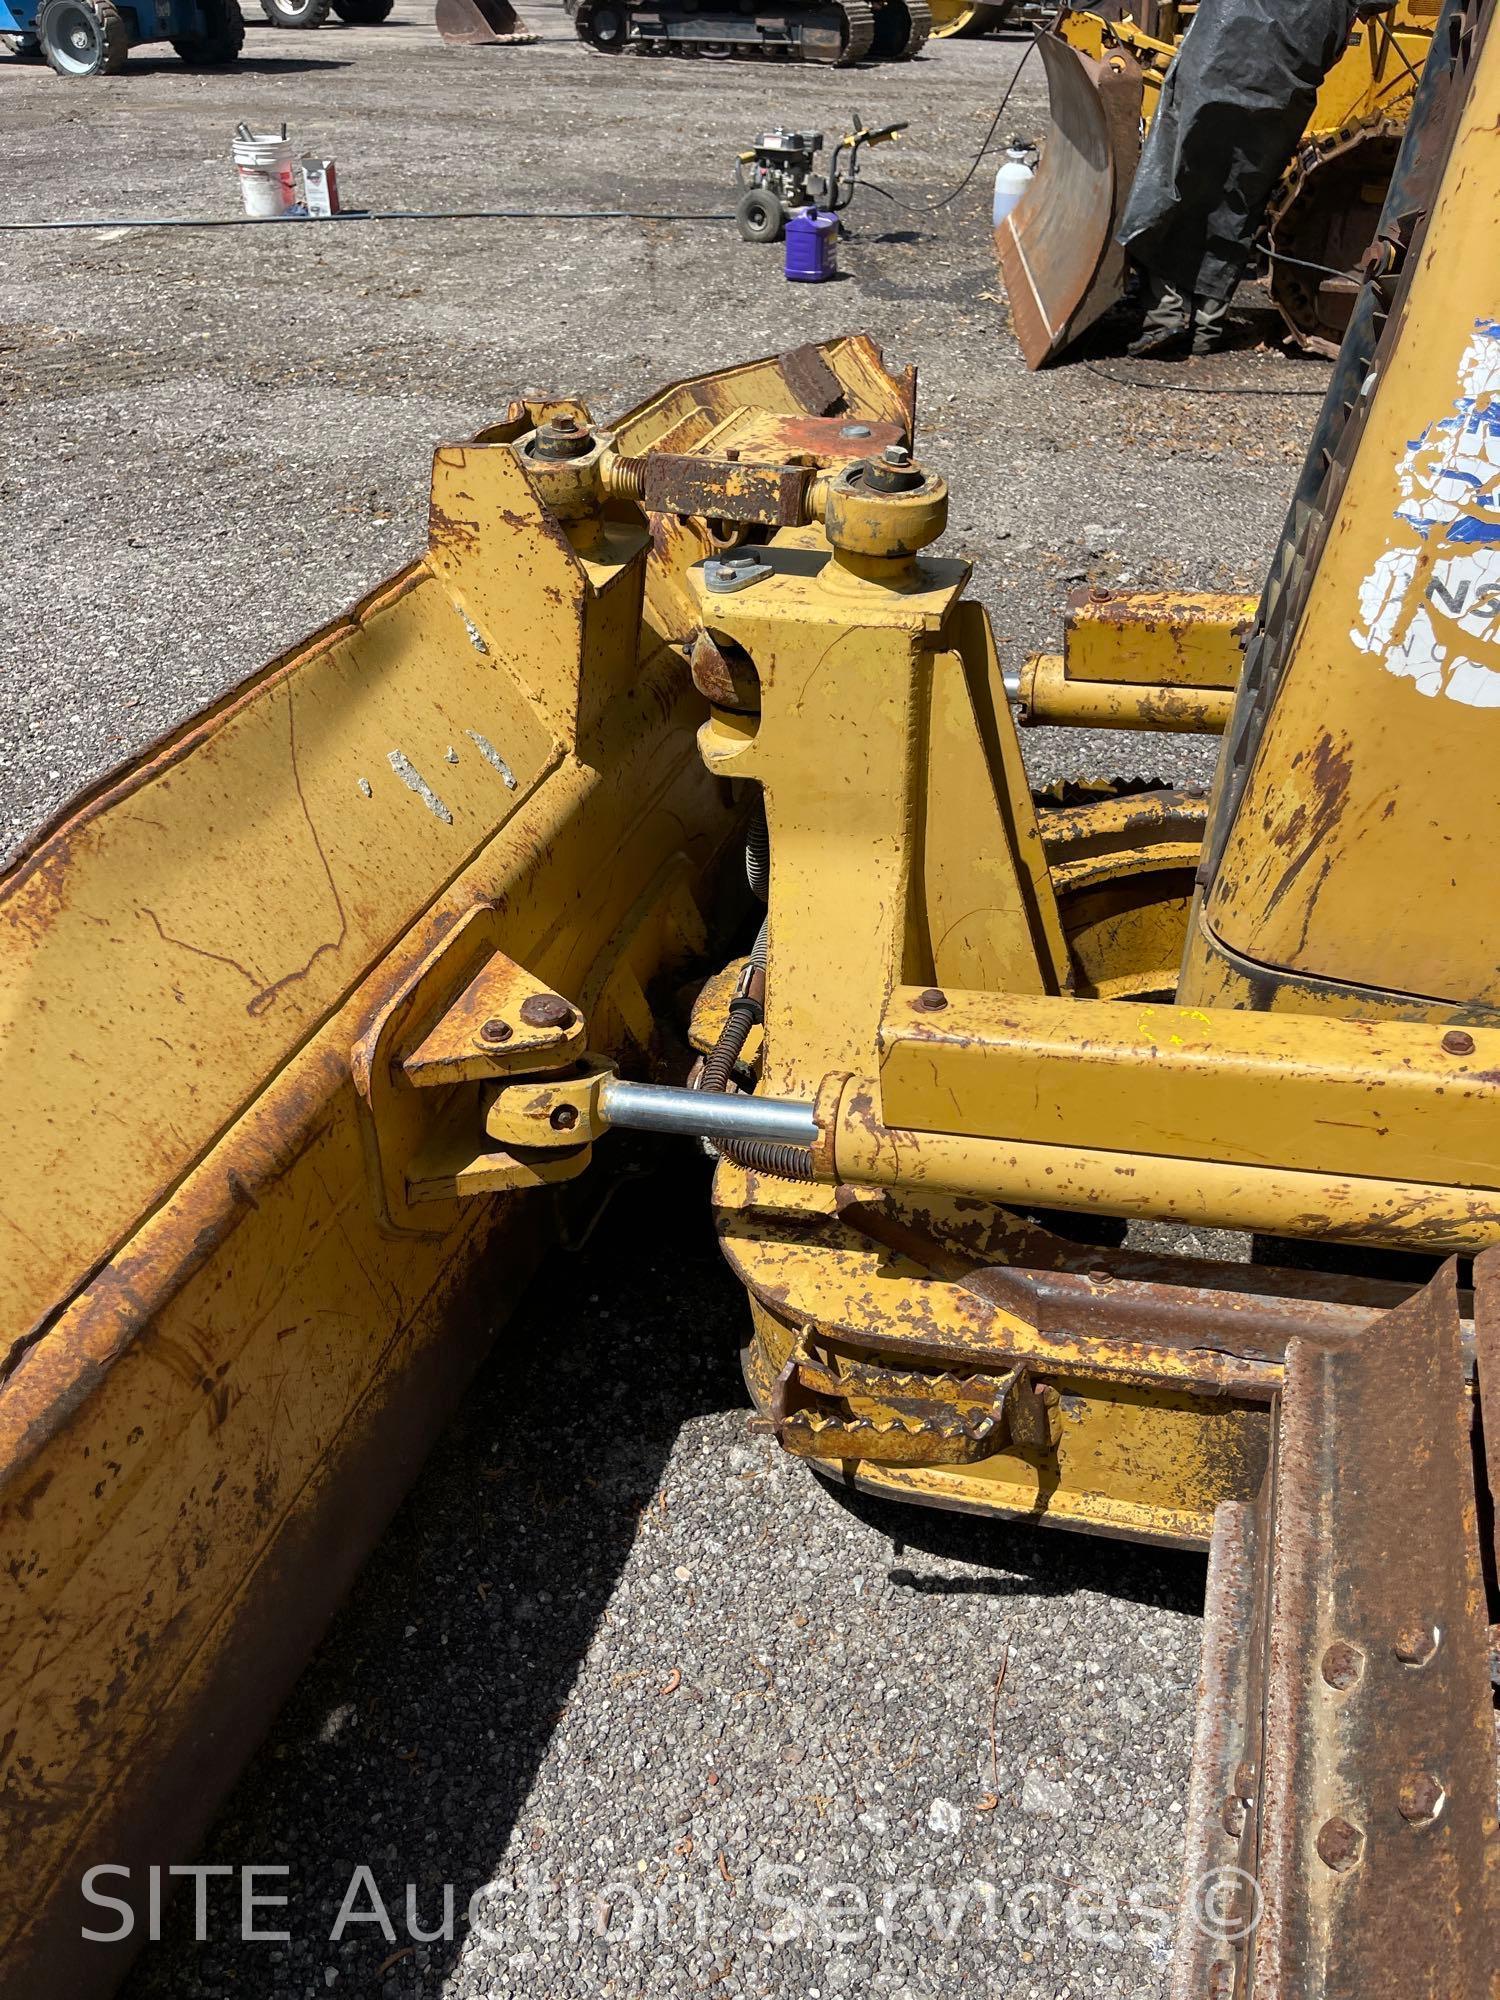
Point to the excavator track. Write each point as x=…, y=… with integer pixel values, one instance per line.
x=859, y=31
x=1324, y=214
x=837, y=35
x=603, y=25
x=901, y=30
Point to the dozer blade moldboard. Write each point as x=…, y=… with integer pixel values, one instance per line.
x=479, y=23
x=1062, y=267
x=234, y=1316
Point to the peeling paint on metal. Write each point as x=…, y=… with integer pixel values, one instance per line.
x=1432, y=600
x=413, y=780
x=491, y=755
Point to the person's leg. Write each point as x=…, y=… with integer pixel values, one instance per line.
x=1167, y=322
x=1210, y=324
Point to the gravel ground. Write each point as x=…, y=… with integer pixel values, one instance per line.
x=611, y=1664
x=687, y=1722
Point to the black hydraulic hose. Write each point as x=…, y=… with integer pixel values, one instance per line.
x=718, y=1065
x=382, y=215
x=746, y=1011
x=927, y=207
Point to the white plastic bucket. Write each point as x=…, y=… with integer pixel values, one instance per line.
x=267, y=182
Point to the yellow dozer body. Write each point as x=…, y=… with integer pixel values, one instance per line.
x=1062, y=266
x=315, y=1012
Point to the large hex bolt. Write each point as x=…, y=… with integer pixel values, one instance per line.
x=561, y=437
x=894, y=471
x=546, y=1010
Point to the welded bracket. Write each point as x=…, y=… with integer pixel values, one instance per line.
x=468, y=1014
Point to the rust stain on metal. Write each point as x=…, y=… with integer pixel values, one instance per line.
x=811, y=380
x=726, y=489
x=547, y=1010
x=1376, y=1844
x=724, y=674
x=1487, y=1366
x=1309, y=827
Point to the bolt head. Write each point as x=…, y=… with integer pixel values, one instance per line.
x=546, y=1010
x=561, y=437
x=933, y=1001
x=1421, y=1798
x=496, y=1031
x=1340, y=1845
x=896, y=454
x=564, y=1117
x=1457, y=1042
x=855, y=431
x=1342, y=1664
x=1415, y=1645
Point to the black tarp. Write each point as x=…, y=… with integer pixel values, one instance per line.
x=1233, y=106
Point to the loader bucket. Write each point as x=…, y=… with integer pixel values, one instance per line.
x=1061, y=264
x=479, y=23
x=238, y=1296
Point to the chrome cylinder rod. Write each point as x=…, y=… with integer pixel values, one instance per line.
x=697, y=1114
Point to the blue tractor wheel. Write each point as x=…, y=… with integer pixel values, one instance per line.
x=83, y=37
x=295, y=13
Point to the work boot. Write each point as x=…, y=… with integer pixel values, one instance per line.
x=1167, y=324
x=1161, y=340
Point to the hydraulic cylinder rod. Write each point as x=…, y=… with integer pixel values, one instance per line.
x=696, y=1114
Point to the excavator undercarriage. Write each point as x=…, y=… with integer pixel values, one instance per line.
x=676, y=788
x=837, y=32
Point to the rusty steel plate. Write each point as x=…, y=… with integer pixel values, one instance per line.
x=1061, y=264
x=1342, y=1840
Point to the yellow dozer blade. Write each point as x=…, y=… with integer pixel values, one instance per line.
x=240, y=1290
x=479, y=23
x=1062, y=267
x=954, y=20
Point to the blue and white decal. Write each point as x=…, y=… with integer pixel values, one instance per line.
x=1430, y=607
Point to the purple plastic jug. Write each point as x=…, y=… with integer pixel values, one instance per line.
x=811, y=240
